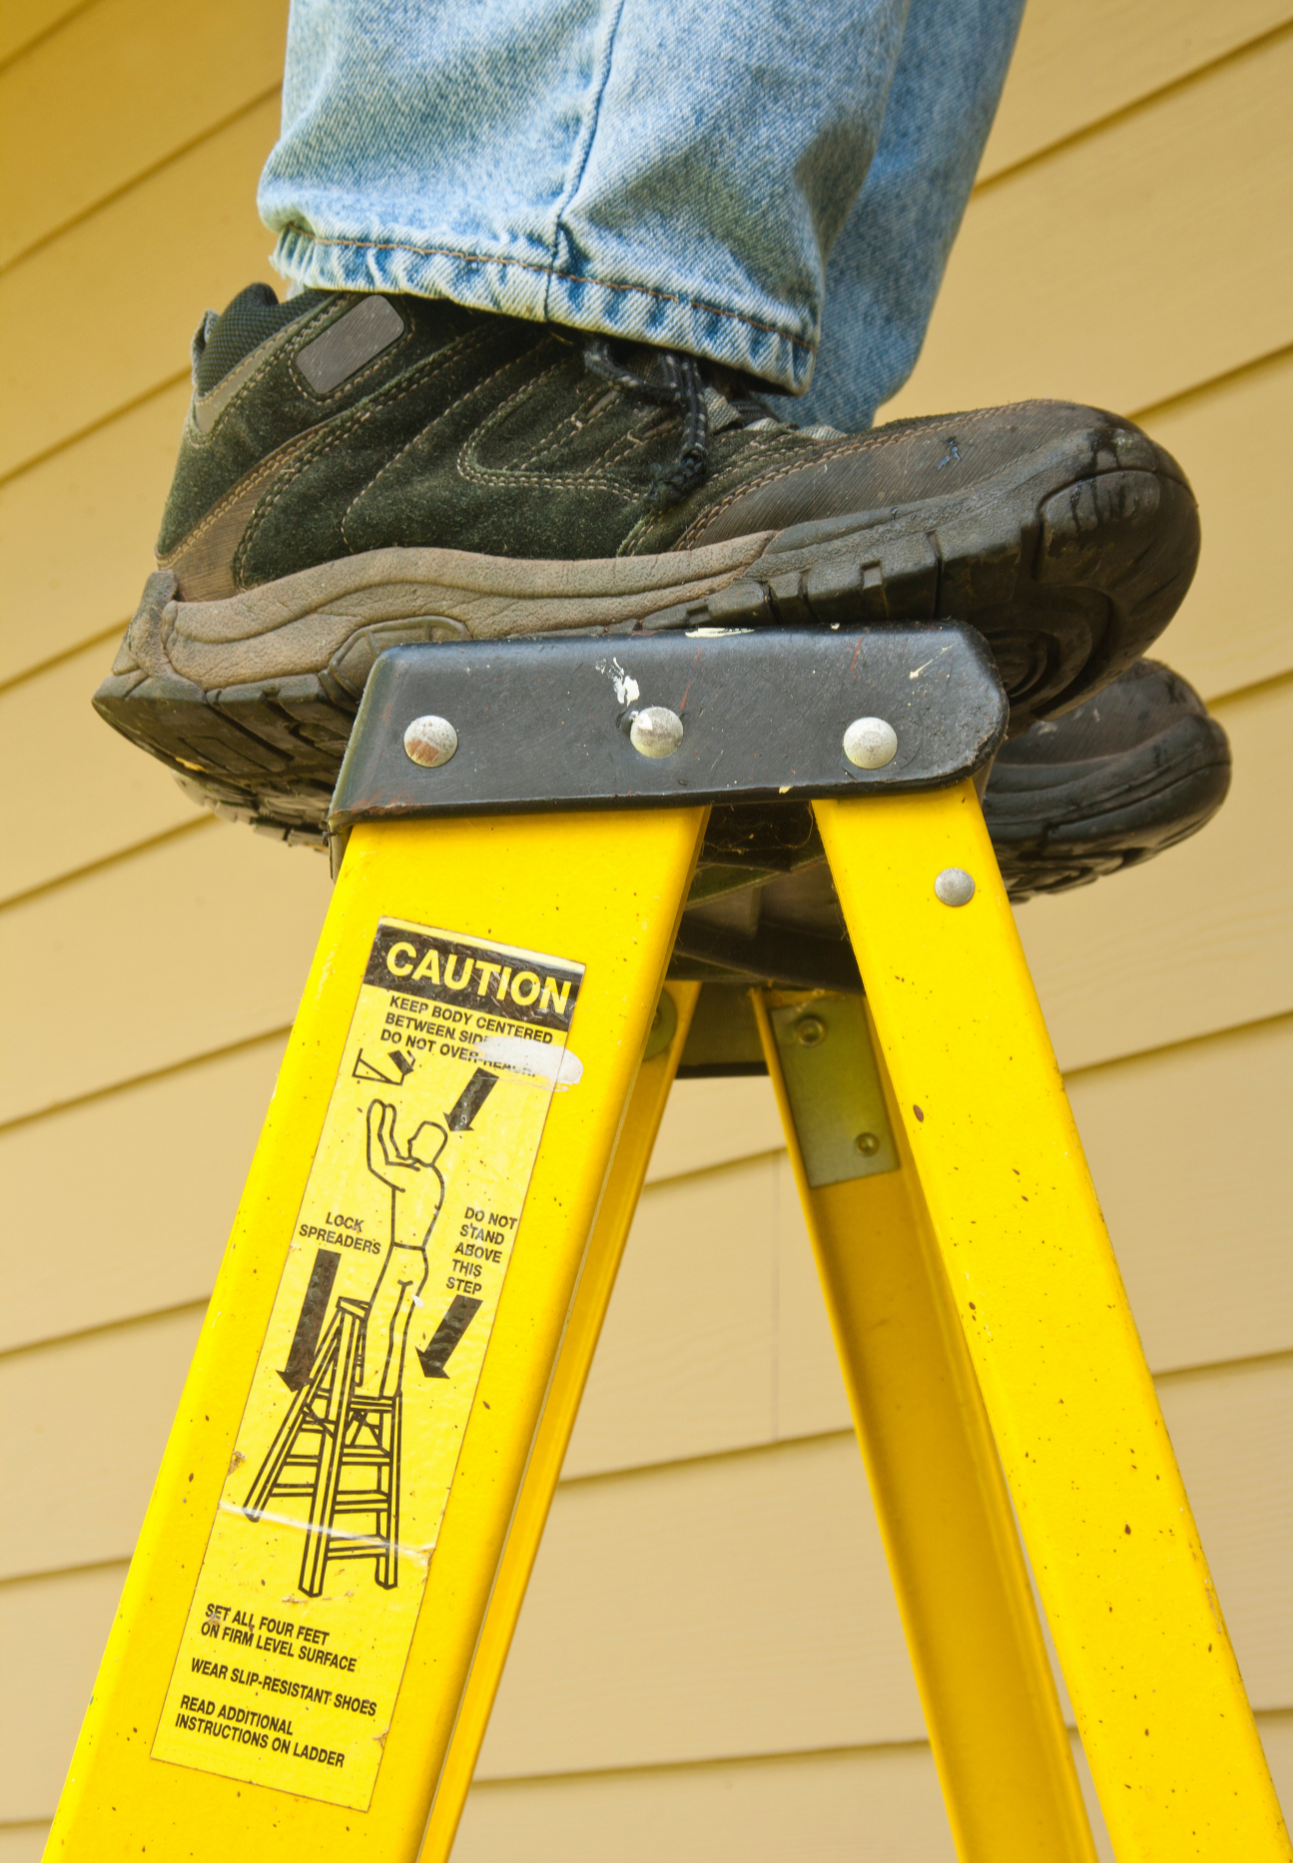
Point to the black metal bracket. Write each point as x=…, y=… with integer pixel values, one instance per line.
x=547, y=724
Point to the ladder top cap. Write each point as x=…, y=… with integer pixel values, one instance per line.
x=670, y=719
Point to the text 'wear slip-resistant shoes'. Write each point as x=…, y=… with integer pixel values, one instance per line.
x=1126, y=774
x=358, y=471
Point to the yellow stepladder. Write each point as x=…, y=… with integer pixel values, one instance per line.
x=321, y=1603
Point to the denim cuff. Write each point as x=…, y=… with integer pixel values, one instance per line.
x=513, y=287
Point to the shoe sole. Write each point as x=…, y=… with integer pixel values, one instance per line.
x=250, y=700
x=1100, y=817
x=1171, y=789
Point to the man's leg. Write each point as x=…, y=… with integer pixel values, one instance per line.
x=396, y=454
x=673, y=175
x=885, y=269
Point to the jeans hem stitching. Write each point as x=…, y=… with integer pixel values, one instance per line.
x=549, y=271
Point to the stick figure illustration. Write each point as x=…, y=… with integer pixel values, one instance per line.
x=417, y=1188
x=349, y=1402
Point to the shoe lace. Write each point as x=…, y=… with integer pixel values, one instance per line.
x=679, y=385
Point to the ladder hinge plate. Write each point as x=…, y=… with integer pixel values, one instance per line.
x=548, y=724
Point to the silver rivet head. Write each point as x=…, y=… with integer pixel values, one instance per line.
x=809, y=1032
x=664, y=1026
x=870, y=743
x=656, y=732
x=430, y=741
x=867, y=1143
x=954, y=886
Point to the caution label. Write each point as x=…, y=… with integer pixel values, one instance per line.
x=300, y=1625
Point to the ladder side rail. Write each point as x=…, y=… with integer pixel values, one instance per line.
x=997, y=1734
x=570, y=1375
x=1160, y=1703
x=546, y=884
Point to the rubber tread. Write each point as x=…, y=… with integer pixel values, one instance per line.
x=1029, y=579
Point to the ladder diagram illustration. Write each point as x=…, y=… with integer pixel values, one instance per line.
x=351, y=1468
x=338, y=1447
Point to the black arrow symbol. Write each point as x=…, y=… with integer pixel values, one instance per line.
x=471, y=1099
x=305, y=1339
x=436, y=1353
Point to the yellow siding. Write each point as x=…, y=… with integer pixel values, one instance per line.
x=52, y=1631
x=1185, y=1145
x=1131, y=264
x=1190, y=944
x=709, y=1664
x=23, y=23
x=1075, y=66
x=79, y=75
x=163, y=951
x=119, y=1241
x=1235, y=627
x=82, y=579
x=83, y=1437
x=136, y=800
x=184, y=236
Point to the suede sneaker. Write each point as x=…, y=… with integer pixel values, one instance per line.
x=362, y=470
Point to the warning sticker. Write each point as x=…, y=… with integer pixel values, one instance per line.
x=313, y=1576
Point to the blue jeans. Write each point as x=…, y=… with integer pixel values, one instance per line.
x=771, y=186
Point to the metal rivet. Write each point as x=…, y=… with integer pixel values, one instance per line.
x=430, y=741
x=664, y=1026
x=954, y=886
x=867, y=1143
x=870, y=743
x=656, y=732
x=809, y=1032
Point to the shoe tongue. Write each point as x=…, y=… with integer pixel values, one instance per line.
x=254, y=315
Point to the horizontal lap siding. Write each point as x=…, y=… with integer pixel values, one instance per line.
x=833, y=1807
x=732, y=1605
x=83, y=1439
x=197, y=218
x=154, y=960
x=78, y=77
x=23, y=23
x=1185, y=1146
x=745, y=1361
x=52, y=1632
x=880, y=1803
x=77, y=531
x=1075, y=66
x=1131, y=265
x=140, y=1224
x=709, y=1663
x=1235, y=627
x=135, y=799
x=1195, y=941
x=713, y=1608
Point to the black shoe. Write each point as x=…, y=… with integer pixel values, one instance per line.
x=1128, y=773
x=362, y=470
